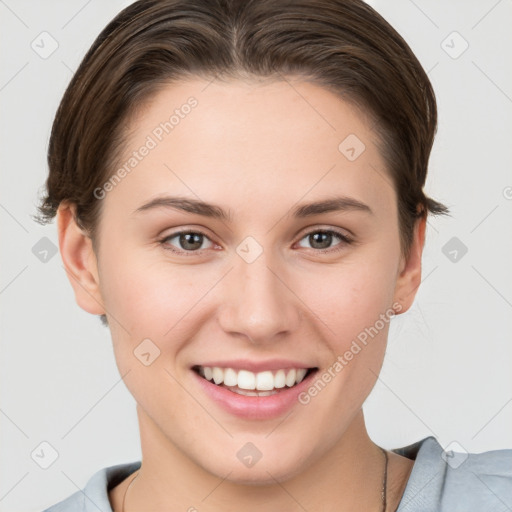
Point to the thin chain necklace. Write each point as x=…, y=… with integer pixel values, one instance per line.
x=383, y=490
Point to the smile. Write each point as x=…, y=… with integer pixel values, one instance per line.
x=247, y=383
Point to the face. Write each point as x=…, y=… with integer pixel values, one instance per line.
x=269, y=288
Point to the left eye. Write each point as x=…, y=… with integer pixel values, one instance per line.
x=325, y=237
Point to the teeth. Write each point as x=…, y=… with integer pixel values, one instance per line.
x=301, y=373
x=290, y=378
x=218, y=375
x=246, y=380
x=230, y=377
x=280, y=379
x=253, y=393
x=208, y=374
x=265, y=381
x=253, y=384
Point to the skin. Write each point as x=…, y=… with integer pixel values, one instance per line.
x=258, y=149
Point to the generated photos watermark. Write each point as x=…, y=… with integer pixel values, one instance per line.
x=152, y=140
x=355, y=348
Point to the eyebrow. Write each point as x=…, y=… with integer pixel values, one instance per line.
x=195, y=206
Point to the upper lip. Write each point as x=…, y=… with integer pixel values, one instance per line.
x=257, y=366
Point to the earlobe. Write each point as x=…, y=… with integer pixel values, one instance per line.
x=79, y=261
x=409, y=278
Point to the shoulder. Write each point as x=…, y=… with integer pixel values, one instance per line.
x=94, y=496
x=454, y=480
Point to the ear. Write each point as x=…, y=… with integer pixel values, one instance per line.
x=409, y=277
x=79, y=260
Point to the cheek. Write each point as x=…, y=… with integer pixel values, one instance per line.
x=139, y=291
x=350, y=297
x=357, y=311
x=154, y=300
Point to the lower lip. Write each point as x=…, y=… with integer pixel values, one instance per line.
x=255, y=407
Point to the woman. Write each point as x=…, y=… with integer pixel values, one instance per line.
x=238, y=188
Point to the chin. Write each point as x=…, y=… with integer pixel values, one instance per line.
x=262, y=473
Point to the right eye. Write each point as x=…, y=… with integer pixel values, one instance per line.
x=190, y=242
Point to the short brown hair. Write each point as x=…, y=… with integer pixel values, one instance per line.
x=343, y=45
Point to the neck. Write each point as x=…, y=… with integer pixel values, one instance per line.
x=347, y=477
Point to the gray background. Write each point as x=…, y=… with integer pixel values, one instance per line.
x=447, y=370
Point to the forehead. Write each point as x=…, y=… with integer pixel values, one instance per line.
x=245, y=141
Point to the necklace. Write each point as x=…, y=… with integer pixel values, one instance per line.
x=383, y=492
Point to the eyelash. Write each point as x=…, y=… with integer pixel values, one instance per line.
x=346, y=240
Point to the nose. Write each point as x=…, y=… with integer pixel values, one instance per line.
x=257, y=302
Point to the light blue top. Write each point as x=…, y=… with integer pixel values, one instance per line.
x=439, y=482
